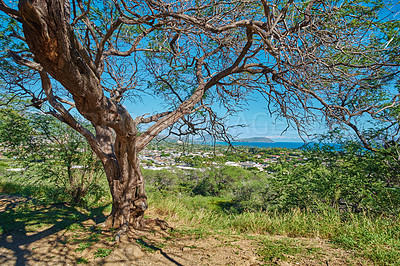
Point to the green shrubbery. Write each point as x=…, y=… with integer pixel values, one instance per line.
x=349, y=179
x=209, y=181
x=51, y=155
x=349, y=182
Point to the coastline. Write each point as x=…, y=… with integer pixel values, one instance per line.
x=288, y=145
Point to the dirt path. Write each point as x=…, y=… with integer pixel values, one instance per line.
x=68, y=242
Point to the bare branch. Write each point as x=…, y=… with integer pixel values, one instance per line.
x=64, y=116
x=103, y=41
x=153, y=118
x=134, y=45
x=24, y=62
x=9, y=11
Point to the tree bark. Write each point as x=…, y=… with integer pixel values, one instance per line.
x=127, y=187
x=125, y=179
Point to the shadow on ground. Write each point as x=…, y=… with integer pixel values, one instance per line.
x=31, y=234
x=26, y=227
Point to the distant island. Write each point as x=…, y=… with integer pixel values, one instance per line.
x=255, y=139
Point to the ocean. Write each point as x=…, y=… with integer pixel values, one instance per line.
x=288, y=145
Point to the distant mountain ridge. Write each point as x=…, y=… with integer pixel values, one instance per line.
x=255, y=139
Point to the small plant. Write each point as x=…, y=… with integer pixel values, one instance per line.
x=74, y=227
x=82, y=246
x=81, y=260
x=102, y=252
x=94, y=237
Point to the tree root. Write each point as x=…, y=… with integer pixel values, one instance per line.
x=147, y=224
x=121, y=232
x=158, y=222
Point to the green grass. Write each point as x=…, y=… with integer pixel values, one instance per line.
x=4, y=164
x=144, y=245
x=378, y=238
x=375, y=238
x=82, y=246
x=87, y=241
x=82, y=260
x=31, y=183
x=74, y=227
x=280, y=250
x=24, y=185
x=102, y=252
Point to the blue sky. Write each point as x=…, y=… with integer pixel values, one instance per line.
x=260, y=122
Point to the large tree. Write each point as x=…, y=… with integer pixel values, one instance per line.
x=338, y=60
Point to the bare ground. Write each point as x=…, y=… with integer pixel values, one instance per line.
x=30, y=244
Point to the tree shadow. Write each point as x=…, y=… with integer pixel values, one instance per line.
x=150, y=246
x=23, y=223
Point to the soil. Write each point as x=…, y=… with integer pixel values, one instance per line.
x=49, y=245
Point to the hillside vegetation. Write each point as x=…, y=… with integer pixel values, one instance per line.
x=346, y=196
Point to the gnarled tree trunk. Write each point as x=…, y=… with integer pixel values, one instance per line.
x=127, y=187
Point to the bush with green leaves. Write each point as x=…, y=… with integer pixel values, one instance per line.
x=212, y=181
x=357, y=179
x=219, y=181
x=348, y=178
x=162, y=180
x=250, y=195
x=53, y=152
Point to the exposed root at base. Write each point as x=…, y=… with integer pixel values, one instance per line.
x=158, y=222
x=147, y=224
x=122, y=231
